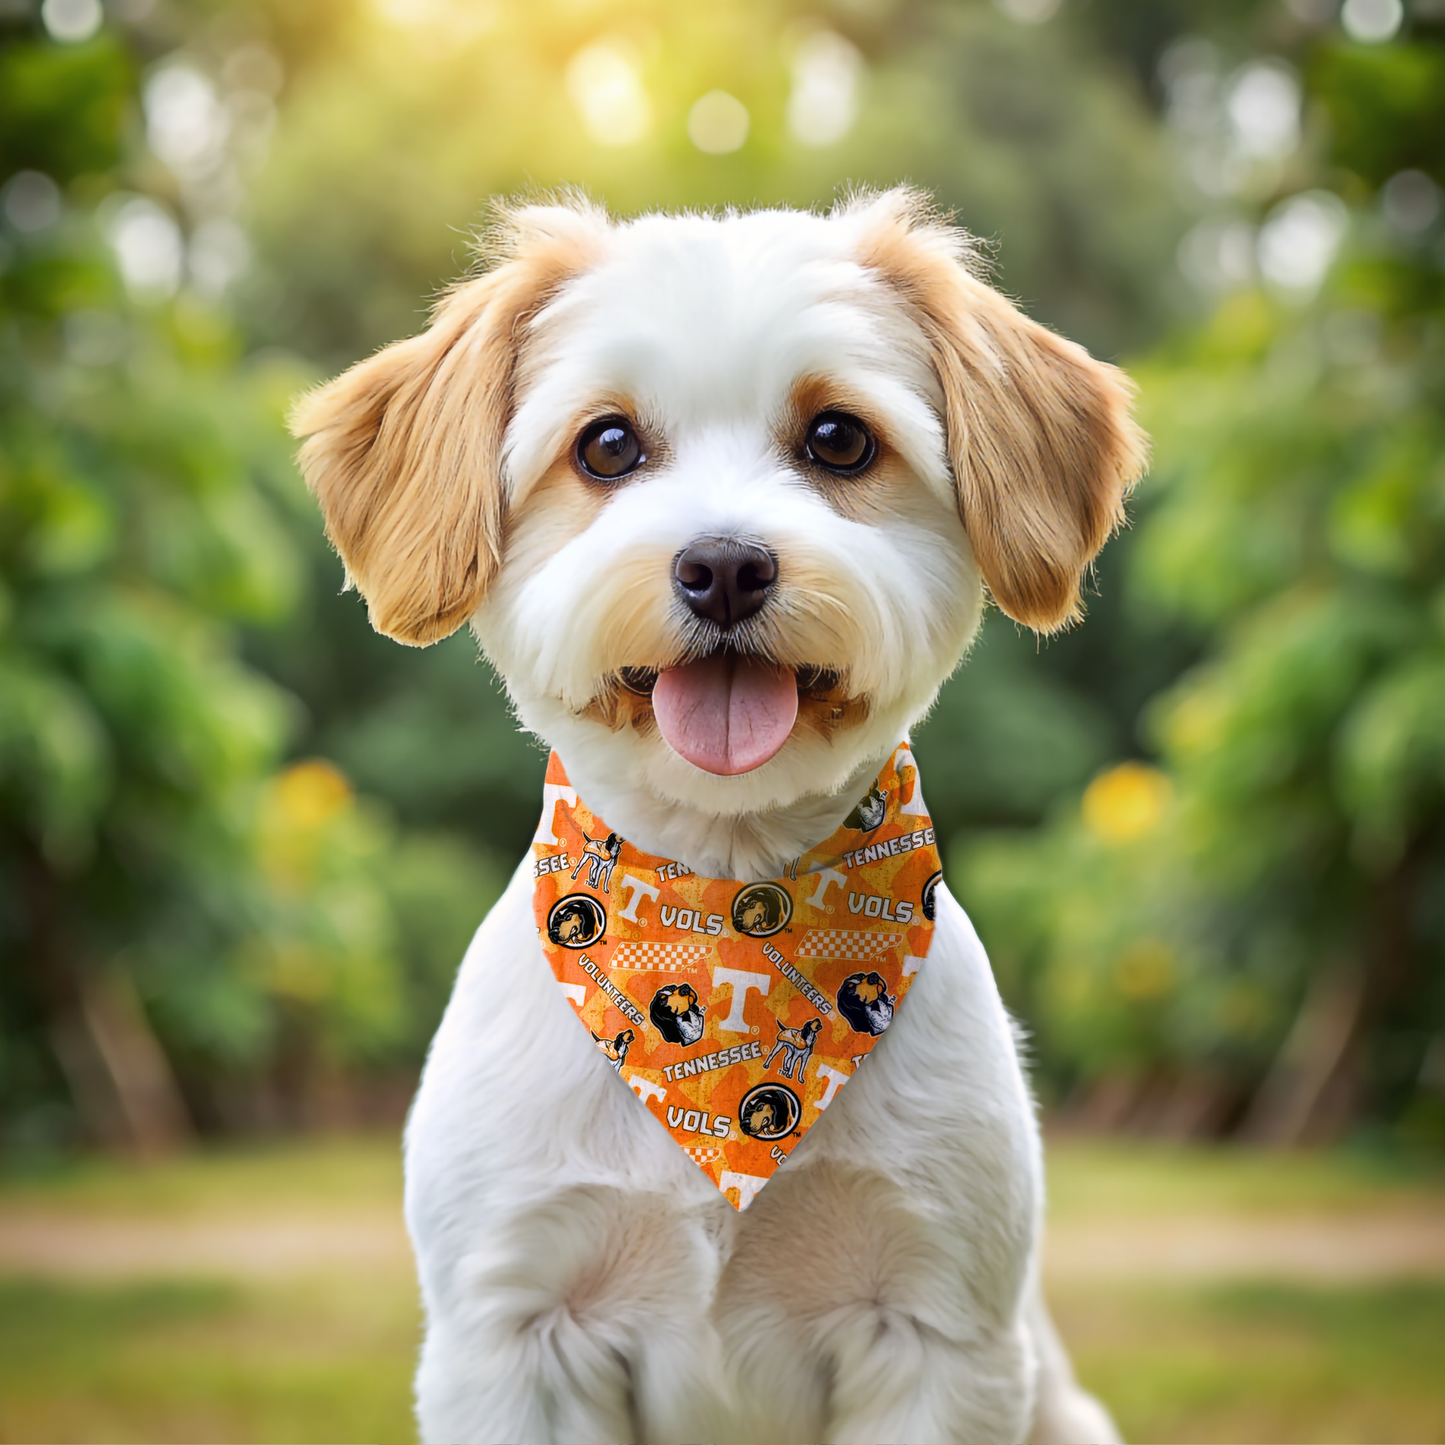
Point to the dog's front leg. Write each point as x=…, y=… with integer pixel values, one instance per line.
x=893, y=1380
x=567, y=1248
x=850, y=1316
x=578, y=1322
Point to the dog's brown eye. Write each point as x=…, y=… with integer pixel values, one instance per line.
x=609, y=449
x=840, y=442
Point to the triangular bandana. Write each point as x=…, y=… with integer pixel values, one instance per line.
x=736, y=1011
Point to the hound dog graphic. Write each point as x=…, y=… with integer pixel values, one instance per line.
x=761, y=909
x=769, y=1112
x=796, y=1046
x=677, y=1015
x=616, y=1049
x=576, y=921
x=863, y=1000
x=871, y=809
x=754, y=915
x=600, y=855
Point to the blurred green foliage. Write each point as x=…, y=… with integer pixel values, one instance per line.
x=243, y=840
x=1253, y=935
x=160, y=874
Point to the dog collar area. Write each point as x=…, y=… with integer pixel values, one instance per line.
x=737, y=1011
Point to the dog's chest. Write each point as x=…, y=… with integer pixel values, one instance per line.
x=932, y=1141
x=542, y=1196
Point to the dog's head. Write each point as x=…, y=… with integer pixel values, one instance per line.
x=720, y=496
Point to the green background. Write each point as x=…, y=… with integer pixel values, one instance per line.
x=244, y=840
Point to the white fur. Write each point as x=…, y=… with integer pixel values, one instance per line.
x=583, y=1280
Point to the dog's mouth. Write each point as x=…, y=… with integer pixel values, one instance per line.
x=729, y=712
x=813, y=683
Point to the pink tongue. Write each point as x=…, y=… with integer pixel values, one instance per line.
x=726, y=714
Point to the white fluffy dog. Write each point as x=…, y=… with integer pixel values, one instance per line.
x=757, y=441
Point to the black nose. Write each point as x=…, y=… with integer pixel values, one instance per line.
x=724, y=580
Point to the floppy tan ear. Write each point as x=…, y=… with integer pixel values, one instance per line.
x=404, y=450
x=1040, y=437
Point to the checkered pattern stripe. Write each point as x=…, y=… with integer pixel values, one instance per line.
x=850, y=945
x=660, y=957
x=701, y=1154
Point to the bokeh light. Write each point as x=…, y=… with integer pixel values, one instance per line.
x=1300, y=239
x=31, y=201
x=1263, y=104
x=148, y=247
x=72, y=21
x=1028, y=12
x=604, y=80
x=1372, y=22
x=718, y=123
x=823, y=99
x=1411, y=202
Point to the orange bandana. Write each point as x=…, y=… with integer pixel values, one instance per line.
x=736, y=1011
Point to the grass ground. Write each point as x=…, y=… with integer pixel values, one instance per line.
x=192, y=1361
x=1265, y=1362
x=267, y=1296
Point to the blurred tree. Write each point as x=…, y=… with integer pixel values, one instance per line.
x=169, y=920
x=1254, y=935
x=392, y=133
x=392, y=137
x=212, y=774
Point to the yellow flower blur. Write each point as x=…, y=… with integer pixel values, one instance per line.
x=1126, y=803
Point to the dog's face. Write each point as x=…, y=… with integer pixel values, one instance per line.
x=720, y=496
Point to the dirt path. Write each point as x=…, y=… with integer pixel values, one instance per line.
x=1405, y=1241
x=1400, y=1242
x=253, y=1246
